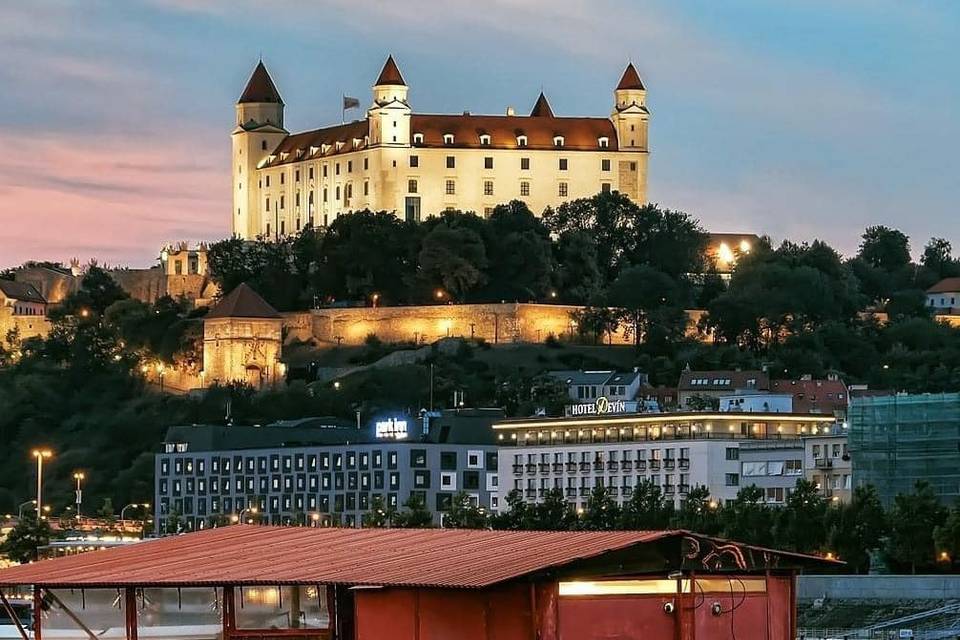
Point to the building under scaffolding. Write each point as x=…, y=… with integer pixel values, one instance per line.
x=897, y=440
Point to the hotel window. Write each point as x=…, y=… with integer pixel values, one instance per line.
x=605, y=164
x=524, y=188
x=448, y=138
x=562, y=190
x=605, y=187
x=418, y=138
x=451, y=162
x=414, y=161
x=563, y=164
x=485, y=140
x=521, y=141
x=412, y=186
x=558, y=141
x=451, y=187
x=525, y=164
x=488, y=187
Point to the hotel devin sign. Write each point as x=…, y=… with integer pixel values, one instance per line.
x=419, y=165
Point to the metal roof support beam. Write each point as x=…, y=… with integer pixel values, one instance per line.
x=13, y=616
x=70, y=614
x=130, y=609
x=228, y=611
x=37, y=613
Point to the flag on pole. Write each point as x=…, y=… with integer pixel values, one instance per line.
x=350, y=103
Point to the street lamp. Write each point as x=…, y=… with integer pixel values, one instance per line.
x=79, y=476
x=20, y=508
x=134, y=505
x=239, y=517
x=40, y=454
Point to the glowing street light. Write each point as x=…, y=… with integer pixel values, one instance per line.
x=40, y=455
x=79, y=476
x=21, y=507
x=133, y=505
x=239, y=517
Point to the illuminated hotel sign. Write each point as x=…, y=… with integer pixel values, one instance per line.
x=603, y=406
x=391, y=429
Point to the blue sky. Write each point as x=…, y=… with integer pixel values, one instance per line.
x=796, y=119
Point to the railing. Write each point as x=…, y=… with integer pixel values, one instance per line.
x=823, y=463
x=627, y=465
x=518, y=469
x=558, y=467
x=641, y=465
x=655, y=465
x=669, y=464
x=531, y=468
x=571, y=467
x=584, y=491
x=613, y=465
x=544, y=467
x=684, y=463
x=571, y=492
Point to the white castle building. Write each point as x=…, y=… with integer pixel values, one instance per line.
x=419, y=165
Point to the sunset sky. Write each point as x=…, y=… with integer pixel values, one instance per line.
x=801, y=119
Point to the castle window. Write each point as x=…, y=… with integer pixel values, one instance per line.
x=558, y=141
x=418, y=138
x=525, y=188
x=488, y=163
x=296, y=199
x=366, y=187
x=414, y=161
x=451, y=162
x=336, y=169
x=268, y=228
x=283, y=227
x=263, y=145
x=282, y=200
x=296, y=175
x=521, y=141
x=268, y=204
x=298, y=224
x=366, y=163
x=525, y=164
x=412, y=186
x=605, y=164
x=488, y=187
x=563, y=164
x=338, y=193
x=631, y=127
x=310, y=173
x=324, y=169
x=562, y=190
x=448, y=138
x=604, y=142
x=325, y=194
x=485, y=140
x=605, y=187
x=268, y=179
x=310, y=200
x=349, y=166
x=282, y=175
x=451, y=187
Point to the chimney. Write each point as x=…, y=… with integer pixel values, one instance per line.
x=511, y=112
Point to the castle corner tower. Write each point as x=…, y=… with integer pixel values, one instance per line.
x=390, y=113
x=632, y=119
x=258, y=131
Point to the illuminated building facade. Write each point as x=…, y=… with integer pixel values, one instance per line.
x=418, y=165
x=675, y=451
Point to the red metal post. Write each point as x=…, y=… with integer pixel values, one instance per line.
x=37, y=613
x=228, y=605
x=130, y=602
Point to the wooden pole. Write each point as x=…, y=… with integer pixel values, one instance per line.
x=130, y=602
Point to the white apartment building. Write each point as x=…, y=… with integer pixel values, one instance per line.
x=419, y=165
x=677, y=452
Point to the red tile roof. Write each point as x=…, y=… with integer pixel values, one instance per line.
x=630, y=79
x=298, y=146
x=390, y=74
x=243, y=302
x=947, y=285
x=579, y=134
x=260, y=87
x=542, y=108
x=814, y=396
x=253, y=555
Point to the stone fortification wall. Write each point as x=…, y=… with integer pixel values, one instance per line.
x=27, y=326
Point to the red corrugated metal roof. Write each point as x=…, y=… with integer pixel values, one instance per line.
x=254, y=555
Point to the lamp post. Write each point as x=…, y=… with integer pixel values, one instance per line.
x=40, y=454
x=20, y=508
x=134, y=505
x=239, y=517
x=79, y=476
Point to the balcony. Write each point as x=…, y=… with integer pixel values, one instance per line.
x=598, y=465
x=584, y=466
x=670, y=464
x=684, y=463
x=518, y=469
x=627, y=465
x=531, y=468
x=823, y=463
x=627, y=492
x=613, y=465
x=584, y=491
x=571, y=492
x=571, y=467
x=684, y=488
x=544, y=467
x=641, y=465
x=558, y=467
x=654, y=465
x=669, y=489
x=613, y=491
x=531, y=493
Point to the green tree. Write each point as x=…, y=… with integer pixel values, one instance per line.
x=579, y=278
x=800, y=523
x=380, y=516
x=453, y=258
x=516, y=517
x=938, y=260
x=748, y=518
x=415, y=514
x=519, y=254
x=699, y=513
x=947, y=536
x=602, y=513
x=651, y=303
x=553, y=513
x=913, y=520
x=25, y=538
x=856, y=529
x=885, y=248
x=465, y=513
x=596, y=321
x=646, y=508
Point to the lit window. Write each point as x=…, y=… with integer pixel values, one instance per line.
x=451, y=187
x=488, y=187
x=485, y=140
x=418, y=138
x=524, y=188
x=562, y=190
x=521, y=141
x=604, y=142
x=558, y=141
x=412, y=186
x=448, y=138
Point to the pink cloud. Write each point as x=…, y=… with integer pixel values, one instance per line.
x=117, y=199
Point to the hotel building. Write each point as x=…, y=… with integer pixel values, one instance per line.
x=418, y=165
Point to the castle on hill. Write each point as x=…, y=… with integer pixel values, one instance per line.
x=419, y=165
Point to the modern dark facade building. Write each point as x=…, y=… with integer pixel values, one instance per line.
x=323, y=471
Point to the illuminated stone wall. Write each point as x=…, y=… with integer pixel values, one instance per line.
x=28, y=326
x=495, y=323
x=242, y=349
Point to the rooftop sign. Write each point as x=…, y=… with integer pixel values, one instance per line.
x=391, y=429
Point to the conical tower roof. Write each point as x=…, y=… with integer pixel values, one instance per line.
x=260, y=87
x=390, y=74
x=542, y=108
x=243, y=302
x=630, y=79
